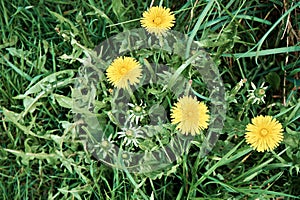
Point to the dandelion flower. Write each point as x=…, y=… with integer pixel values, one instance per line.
x=158, y=20
x=137, y=113
x=105, y=147
x=122, y=71
x=264, y=134
x=131, y=135
x=257, y=95
x=126, y=159
x=190, y=115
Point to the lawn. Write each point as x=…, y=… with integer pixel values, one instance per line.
x=186, y=99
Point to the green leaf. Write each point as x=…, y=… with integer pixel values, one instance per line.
x=63, y=101
x=274, y=80
x=50, y=82
x=30, y=104
x=13, y=117
x=101, y=14
x=26, y=157
x=118, y=9
x=17, y=69
x=292, y=138
x=64, y=20
x=9, y=42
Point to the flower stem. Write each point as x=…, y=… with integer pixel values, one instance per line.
x=131, y=95
x=245, y=109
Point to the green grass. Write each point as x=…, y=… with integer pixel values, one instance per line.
x=41, y=156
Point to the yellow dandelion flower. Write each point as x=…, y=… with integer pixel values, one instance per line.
x=124, y=70
x=190, y=115
x=264, y=134
x=158, y=20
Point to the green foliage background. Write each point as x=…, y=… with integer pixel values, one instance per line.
x=40, y=155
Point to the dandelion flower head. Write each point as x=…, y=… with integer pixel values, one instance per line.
x=137, y=113
x=257, y=95
x=264, y=134
x=190, y=115
x=124, y=71
x=158, y=20
x=131, y=135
